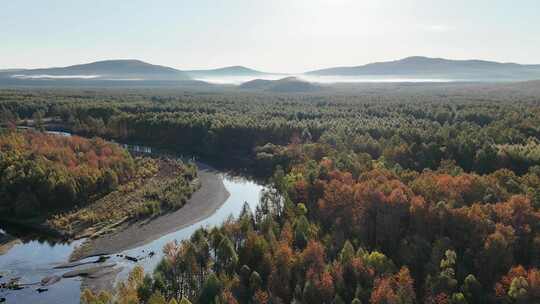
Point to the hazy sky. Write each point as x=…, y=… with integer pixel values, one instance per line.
x=271, y=35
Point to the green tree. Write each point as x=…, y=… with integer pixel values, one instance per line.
x=210, y=290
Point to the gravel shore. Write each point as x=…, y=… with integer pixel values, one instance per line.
x=203, y=203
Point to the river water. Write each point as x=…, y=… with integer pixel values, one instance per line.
x=32, y=260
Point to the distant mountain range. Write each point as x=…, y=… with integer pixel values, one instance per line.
x=418, y=66
x=10, y=70
x=407, y=68
x=100, y=70
x=126, y=70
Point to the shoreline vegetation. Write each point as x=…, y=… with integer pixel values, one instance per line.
x=166, y=186
x=6, y=242
x=121, y=189
x=203, y=203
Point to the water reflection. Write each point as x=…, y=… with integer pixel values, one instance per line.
x=26, y=235
x=241, y=191
x=33, y=260
x=137, y=148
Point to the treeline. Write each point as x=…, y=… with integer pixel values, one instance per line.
x=415, y=129
x=40, y=172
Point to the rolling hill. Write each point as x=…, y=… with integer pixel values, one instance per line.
x=284, y=85
x=419, y=66
x=103, y=70
x=232, y=71
x=407, y=68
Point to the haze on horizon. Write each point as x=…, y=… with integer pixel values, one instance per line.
x=274, y=36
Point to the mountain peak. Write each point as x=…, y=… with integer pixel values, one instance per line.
x=120, y=61
x=418, y=58
x=117, y=63
x=428, y=67
x=238, y=67
x=111, y=69
x=290, y=78
x=235, y=70
x=283, y=85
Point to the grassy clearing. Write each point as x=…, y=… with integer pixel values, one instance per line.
x=161, y=185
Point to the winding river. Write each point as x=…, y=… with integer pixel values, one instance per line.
x=32, y=260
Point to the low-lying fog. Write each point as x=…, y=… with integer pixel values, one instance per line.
x=236, y=80
x=45, y=76
x=239, y=79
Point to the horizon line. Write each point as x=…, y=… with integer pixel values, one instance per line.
x=260, y=69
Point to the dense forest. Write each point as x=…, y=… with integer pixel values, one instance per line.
x=74, y=185
x=412, y=195
x=415, y=128
x=41, y=173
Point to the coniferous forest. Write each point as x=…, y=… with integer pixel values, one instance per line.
x=42, y=172
x=398, y=194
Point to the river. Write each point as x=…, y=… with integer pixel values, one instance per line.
x=31, y=259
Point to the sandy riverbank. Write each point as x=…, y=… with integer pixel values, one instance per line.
x=203, y=203
x=7, y=243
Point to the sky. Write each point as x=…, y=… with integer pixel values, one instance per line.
x=289, y=36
